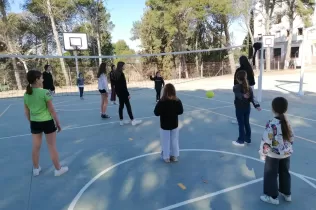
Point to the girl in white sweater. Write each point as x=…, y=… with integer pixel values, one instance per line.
x=276, y=149
x=103, y=89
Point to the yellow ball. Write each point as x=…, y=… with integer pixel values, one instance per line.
x=210, y=94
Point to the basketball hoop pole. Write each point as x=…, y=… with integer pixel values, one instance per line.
x=76, y=60
x=301, y=91
x=260, y=75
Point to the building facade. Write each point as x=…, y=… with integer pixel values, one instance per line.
x=280, y=30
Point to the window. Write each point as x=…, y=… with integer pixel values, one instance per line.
x=300, y=31
x=295, y=52
x=278, y=19
x=259, y=37
x=277, y=53
x=277, y=34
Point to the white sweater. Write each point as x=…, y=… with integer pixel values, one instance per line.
x=103, y=82
x=272, y=138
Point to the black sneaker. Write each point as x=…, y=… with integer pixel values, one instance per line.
x=105, y=116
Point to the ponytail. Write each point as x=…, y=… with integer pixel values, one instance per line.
x=286, y=130
x=32, y=76
x=245, y=85
x=29, y=89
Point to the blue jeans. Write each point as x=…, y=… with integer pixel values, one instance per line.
x=242, y=115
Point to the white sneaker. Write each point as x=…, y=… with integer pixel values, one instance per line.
x=136, y=122
x=121, y=123
x=287, y=198
x=36, y=171
x=61, y=171
x=238, y=144
x=269, y=199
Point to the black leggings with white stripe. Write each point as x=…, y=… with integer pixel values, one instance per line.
x=122, y=101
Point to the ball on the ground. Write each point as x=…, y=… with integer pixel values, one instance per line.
x=210, y=94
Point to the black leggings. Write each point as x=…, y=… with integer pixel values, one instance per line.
x=158, y=91
x=81, y=91
x=122, y=101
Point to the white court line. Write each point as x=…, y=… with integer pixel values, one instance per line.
x=267, y=110
x=77, y=104
x=62, y=102
x=299, y=137
x=107, y=123
x=76, y=110
x=310, y=178
x=226, y=190
x=86, y=186
x=5, y=110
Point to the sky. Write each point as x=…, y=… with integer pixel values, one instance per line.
x=125, y=12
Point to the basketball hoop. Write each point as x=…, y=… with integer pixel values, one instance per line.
x=268, y=41
x=75, y=42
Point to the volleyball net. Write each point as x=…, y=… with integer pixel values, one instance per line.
x=175, y=67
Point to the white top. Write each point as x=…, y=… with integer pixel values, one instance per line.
x=277, y=147
x=103, y=82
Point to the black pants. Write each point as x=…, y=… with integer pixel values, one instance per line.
x=242, y=115
x=158, y=91
x=81, y=91
x=272, y=168
x=122, y=101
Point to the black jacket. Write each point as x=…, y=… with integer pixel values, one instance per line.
x=250, y=76
x=121, y=86
x=168, y=111
x=112, y=78
x=48, y=82
x=159, y=82
x=241, y=101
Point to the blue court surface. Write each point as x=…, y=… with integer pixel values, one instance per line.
x=119, y=167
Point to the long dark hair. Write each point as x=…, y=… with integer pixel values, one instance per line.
x=31, y=77
x=112, y=67
x=245, y=65
x=102, y=69
x=242, y=77
x=46, y=67
x=169, y=92
x=280, y=106
x=119, y=69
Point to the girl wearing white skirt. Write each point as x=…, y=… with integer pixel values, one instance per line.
x=168, y=108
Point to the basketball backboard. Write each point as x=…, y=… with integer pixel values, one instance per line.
x=268, y=41
x=75, y=41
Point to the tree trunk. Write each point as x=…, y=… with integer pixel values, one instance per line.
x=289, y=44
x=268, y=49
x=227, y=39
x=10, y=46
x=99, y=47
x=197, y=55
x=59, y=51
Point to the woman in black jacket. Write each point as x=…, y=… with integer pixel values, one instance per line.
x=123, y=94
x=245, y=66
x=48, y=82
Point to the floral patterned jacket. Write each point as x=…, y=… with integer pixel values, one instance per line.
x=273, y=144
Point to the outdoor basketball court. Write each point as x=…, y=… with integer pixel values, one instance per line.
x=114, y=167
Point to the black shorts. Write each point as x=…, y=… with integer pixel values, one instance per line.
x=39, y=127
x=102, y=91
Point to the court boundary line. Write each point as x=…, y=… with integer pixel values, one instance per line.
x=223, y=191
x=216, y=113
x=107, y=123
x=5, y=110
x=266, y=110
x=95, y=178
